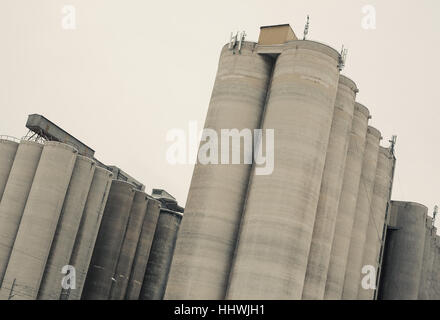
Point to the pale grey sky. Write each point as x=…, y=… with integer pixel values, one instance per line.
x=132, y=70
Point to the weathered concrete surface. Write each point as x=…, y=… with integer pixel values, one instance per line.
x=67, y=229
x=15, y=196
x=88, y=230
x=403, y=258
x=143, y=250
x=161, y=255
x=38, y=224
x=128, y=250
x=109, y=242
x=208, y=235
x=353, y=273
x=376, y=222
x=276, y=232
x=347, y=205
x=7, y=154
x=428, y=262
x=331, y=187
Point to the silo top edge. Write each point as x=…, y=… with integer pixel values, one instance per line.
x=105, y=171
x=362, y=109
x=123, y=184
x=409, y=203
x=374, y=132
x=314, y=45
x=348, y=82
x=8, y=141
x=164, y=210
x=60, y=145
x=86, y=159
x=244, y=45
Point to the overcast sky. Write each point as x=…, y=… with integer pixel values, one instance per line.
x=133, y=70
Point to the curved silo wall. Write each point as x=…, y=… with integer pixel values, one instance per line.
x=67, y=229
x=331, y=187
x=428, y=262
x=7, y=154
x=15, y=196
x=347, y=204
x=436, y=270
x=109, y=242
x=277, y=226
x=208, y=235
x=161, y=255
x=128, y=250
x=88, y=230
x=143, y=250
x=353, y=273
x=38, y=224
x=379, y=201
x=400, y=279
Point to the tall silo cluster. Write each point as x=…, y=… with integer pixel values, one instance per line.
x=306, y=230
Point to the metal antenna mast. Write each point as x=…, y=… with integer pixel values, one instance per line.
x=342, y=58
x=306, y=28
x=434, y=214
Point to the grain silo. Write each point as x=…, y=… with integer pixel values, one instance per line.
x=400, y=279
x=208, y=234
x=8, y=148
x=88, y=231
x=161, y=255
x=379, y=203
x=331, y=187
x=109, y=242
x=128, y=249
x=38, y=224
x=353, y=274
x=15, y=196
x=272, y=249
x=347, y=204
x=143, y=250
x=428, y=261
x=67, y=229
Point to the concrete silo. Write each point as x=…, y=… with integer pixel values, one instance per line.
x=88, y=230
x=379, y=201
x=400, y=277
x=161, y=255
x=109, y=241
x=208, y=235
x=347, y=204
x=67, y=229
x=128, y=250
x=15, y=196
x=331, y=187
x=8, y=149
x=143, y=250
x=428, y=262
x=276, y=230
x=39, y=221
x=353, y=273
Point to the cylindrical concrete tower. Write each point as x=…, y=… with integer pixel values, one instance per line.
x=109, y=242
x=8, y=149
x=143, y=250
x=331, y=187
x=353, y=272
x=400, y=279
x=209, y=231
x=279, y=215
x=38, y=224
x=128, y=250
x=67, y=229
x=347, y=204
x=15, y=196
x=379, y=201
x=88, y=230
x=428, y=262
x=161, y=255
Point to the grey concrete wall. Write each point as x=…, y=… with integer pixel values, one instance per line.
x=400, y=278
x=381, y=196
x=67, y=229
x=128, y=250
x=109, y=242
x=331, y=187
x=38, y=224
x=208, y=235
x=7, y=154
x=353, y=273
x=161, y=256
x=347, y=205
x=15, y=196
x=143, y=250
x=428, y=262
x=88, y=230
x=276, y=232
